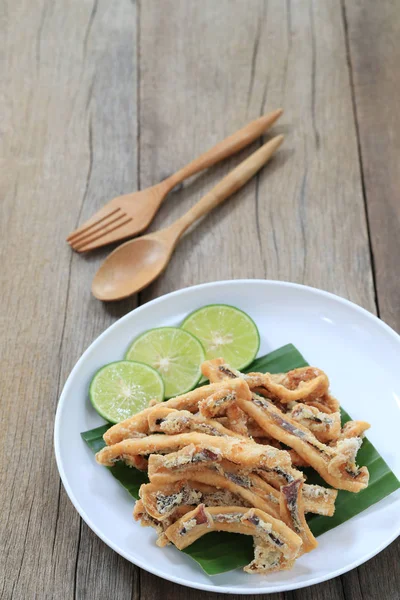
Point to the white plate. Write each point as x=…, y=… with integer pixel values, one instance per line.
x=361, y=356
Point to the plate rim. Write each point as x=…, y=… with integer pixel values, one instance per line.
x=287, y=586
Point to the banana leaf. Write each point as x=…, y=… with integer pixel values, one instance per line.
x=221, y=552
x=129, y=477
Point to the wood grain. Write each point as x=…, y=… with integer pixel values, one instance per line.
x=376, y=87
x=305, y=211
x=101, y=98
x=68, y=143
x=375, y=68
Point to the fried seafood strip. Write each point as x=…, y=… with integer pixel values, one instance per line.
x=139, y=462
x=305, y=383
x=267, y=560
x=252, y=490
x=353, y=429
x=297, y=461
x=245, y=484
x=325, y=404
x=237, y=420
x=175, y=494
x=325, y=426
x=292, y=513
x=199, y=456
x=336, y=465
x=138, y=426
x=140, y=514
x=189, y=456
x=319, y=500
x=219, y=402
x=161, y=501
x=171, y=421
x=217, y=370
x=215, y=497
x=278, y=477
x=281, y=545
x=243, y=452
x=146, y=520
x=255, y=431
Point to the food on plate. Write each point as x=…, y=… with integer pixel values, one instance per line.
x=225, y=457
x=225, y=331
x=170, y=420
x=292, y=513
x=336, y=462
x=325, y=426
x=229, y=455
x=305, y=383
x=138, y=424
x=237, y=450
x=242, y=482
x=175, y=353
x=276, y=545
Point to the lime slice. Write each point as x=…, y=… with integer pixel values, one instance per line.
x=122, y=389
x=225, y=331
x=176, y=354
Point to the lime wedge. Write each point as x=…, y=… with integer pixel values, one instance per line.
x=176, y=354
x=225, y=331
x=122, y=389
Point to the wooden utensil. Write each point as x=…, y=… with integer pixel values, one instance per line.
x=128, y=215
x=134, y=265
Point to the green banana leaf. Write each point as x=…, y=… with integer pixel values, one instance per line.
x=129, y=477
x=220, y=552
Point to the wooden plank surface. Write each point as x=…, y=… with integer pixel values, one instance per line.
x=100, y=98
x=305, y=211
x=376, y=84
x=375, y=73
x=68, y=123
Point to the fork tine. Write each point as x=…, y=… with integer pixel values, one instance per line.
x=101, y=215
x=113, y=234
x=117, y=216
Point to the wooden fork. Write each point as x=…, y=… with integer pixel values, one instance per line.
x=128, y=215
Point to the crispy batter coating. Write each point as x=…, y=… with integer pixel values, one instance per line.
x=353, y=429
x=335, y=465
x=170, y=421
x=292, y=513
x=268, y=532
x=305, y=383
x=326, y=427
x=224, y=475
x=138, y=424
x=244, y=484
x=236, y=450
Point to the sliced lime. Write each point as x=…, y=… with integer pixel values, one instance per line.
x=176, y=354
x=225, y=331
x=124, y=388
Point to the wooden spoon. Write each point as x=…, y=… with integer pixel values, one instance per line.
x=135, y=264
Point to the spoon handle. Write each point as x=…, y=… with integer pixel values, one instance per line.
x=227, y=186
x=227, y=147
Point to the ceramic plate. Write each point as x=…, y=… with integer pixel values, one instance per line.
x=361, y=356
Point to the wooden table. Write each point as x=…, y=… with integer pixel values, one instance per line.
x=100, y=98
